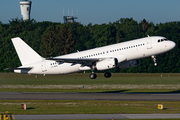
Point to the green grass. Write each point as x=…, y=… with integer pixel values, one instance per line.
x=87, y=107
x=81, y=78
x=122, y=82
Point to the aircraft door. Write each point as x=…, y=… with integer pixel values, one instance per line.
x=148, y=42
x=43, y=66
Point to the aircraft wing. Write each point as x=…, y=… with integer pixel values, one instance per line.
x=85, y=61
x=75, y=60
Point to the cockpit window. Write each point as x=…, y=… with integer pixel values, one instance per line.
x=161, y=40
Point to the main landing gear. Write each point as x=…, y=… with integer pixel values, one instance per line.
x=107, y=74
x=93, y=75
x=154, y=59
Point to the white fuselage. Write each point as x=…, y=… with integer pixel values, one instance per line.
x=132, y=50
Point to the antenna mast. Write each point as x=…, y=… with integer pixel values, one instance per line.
x=69, y=19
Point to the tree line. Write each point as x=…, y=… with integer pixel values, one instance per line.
x=51, y=39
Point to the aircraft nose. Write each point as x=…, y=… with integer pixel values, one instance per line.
x=173, y=44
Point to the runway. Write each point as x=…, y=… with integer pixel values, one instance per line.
x=89, y=96
x=92, y=96
x=98, y=116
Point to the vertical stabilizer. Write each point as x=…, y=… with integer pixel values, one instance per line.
x=26, y=54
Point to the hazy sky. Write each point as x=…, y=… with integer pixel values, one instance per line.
x=95, y=11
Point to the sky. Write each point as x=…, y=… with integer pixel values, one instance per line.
x=95, y=11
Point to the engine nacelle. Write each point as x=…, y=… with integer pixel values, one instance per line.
x=107, y=64
x=129, y=64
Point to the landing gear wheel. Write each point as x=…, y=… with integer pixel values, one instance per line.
x=107, y=74
x=155, y=64
x=154, y=59
x=92, y=76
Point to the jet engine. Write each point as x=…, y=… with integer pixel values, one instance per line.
x=129, y=64
x=107, y=64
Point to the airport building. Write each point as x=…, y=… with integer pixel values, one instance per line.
x=69, y=19
x=25, y=6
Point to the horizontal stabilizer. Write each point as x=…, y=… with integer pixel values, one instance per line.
x=24, y=68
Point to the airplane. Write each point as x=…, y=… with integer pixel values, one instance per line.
x=121, y=55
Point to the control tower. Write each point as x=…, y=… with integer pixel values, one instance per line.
x=25, y=6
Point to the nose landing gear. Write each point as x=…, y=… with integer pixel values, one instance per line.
x=154, y=59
